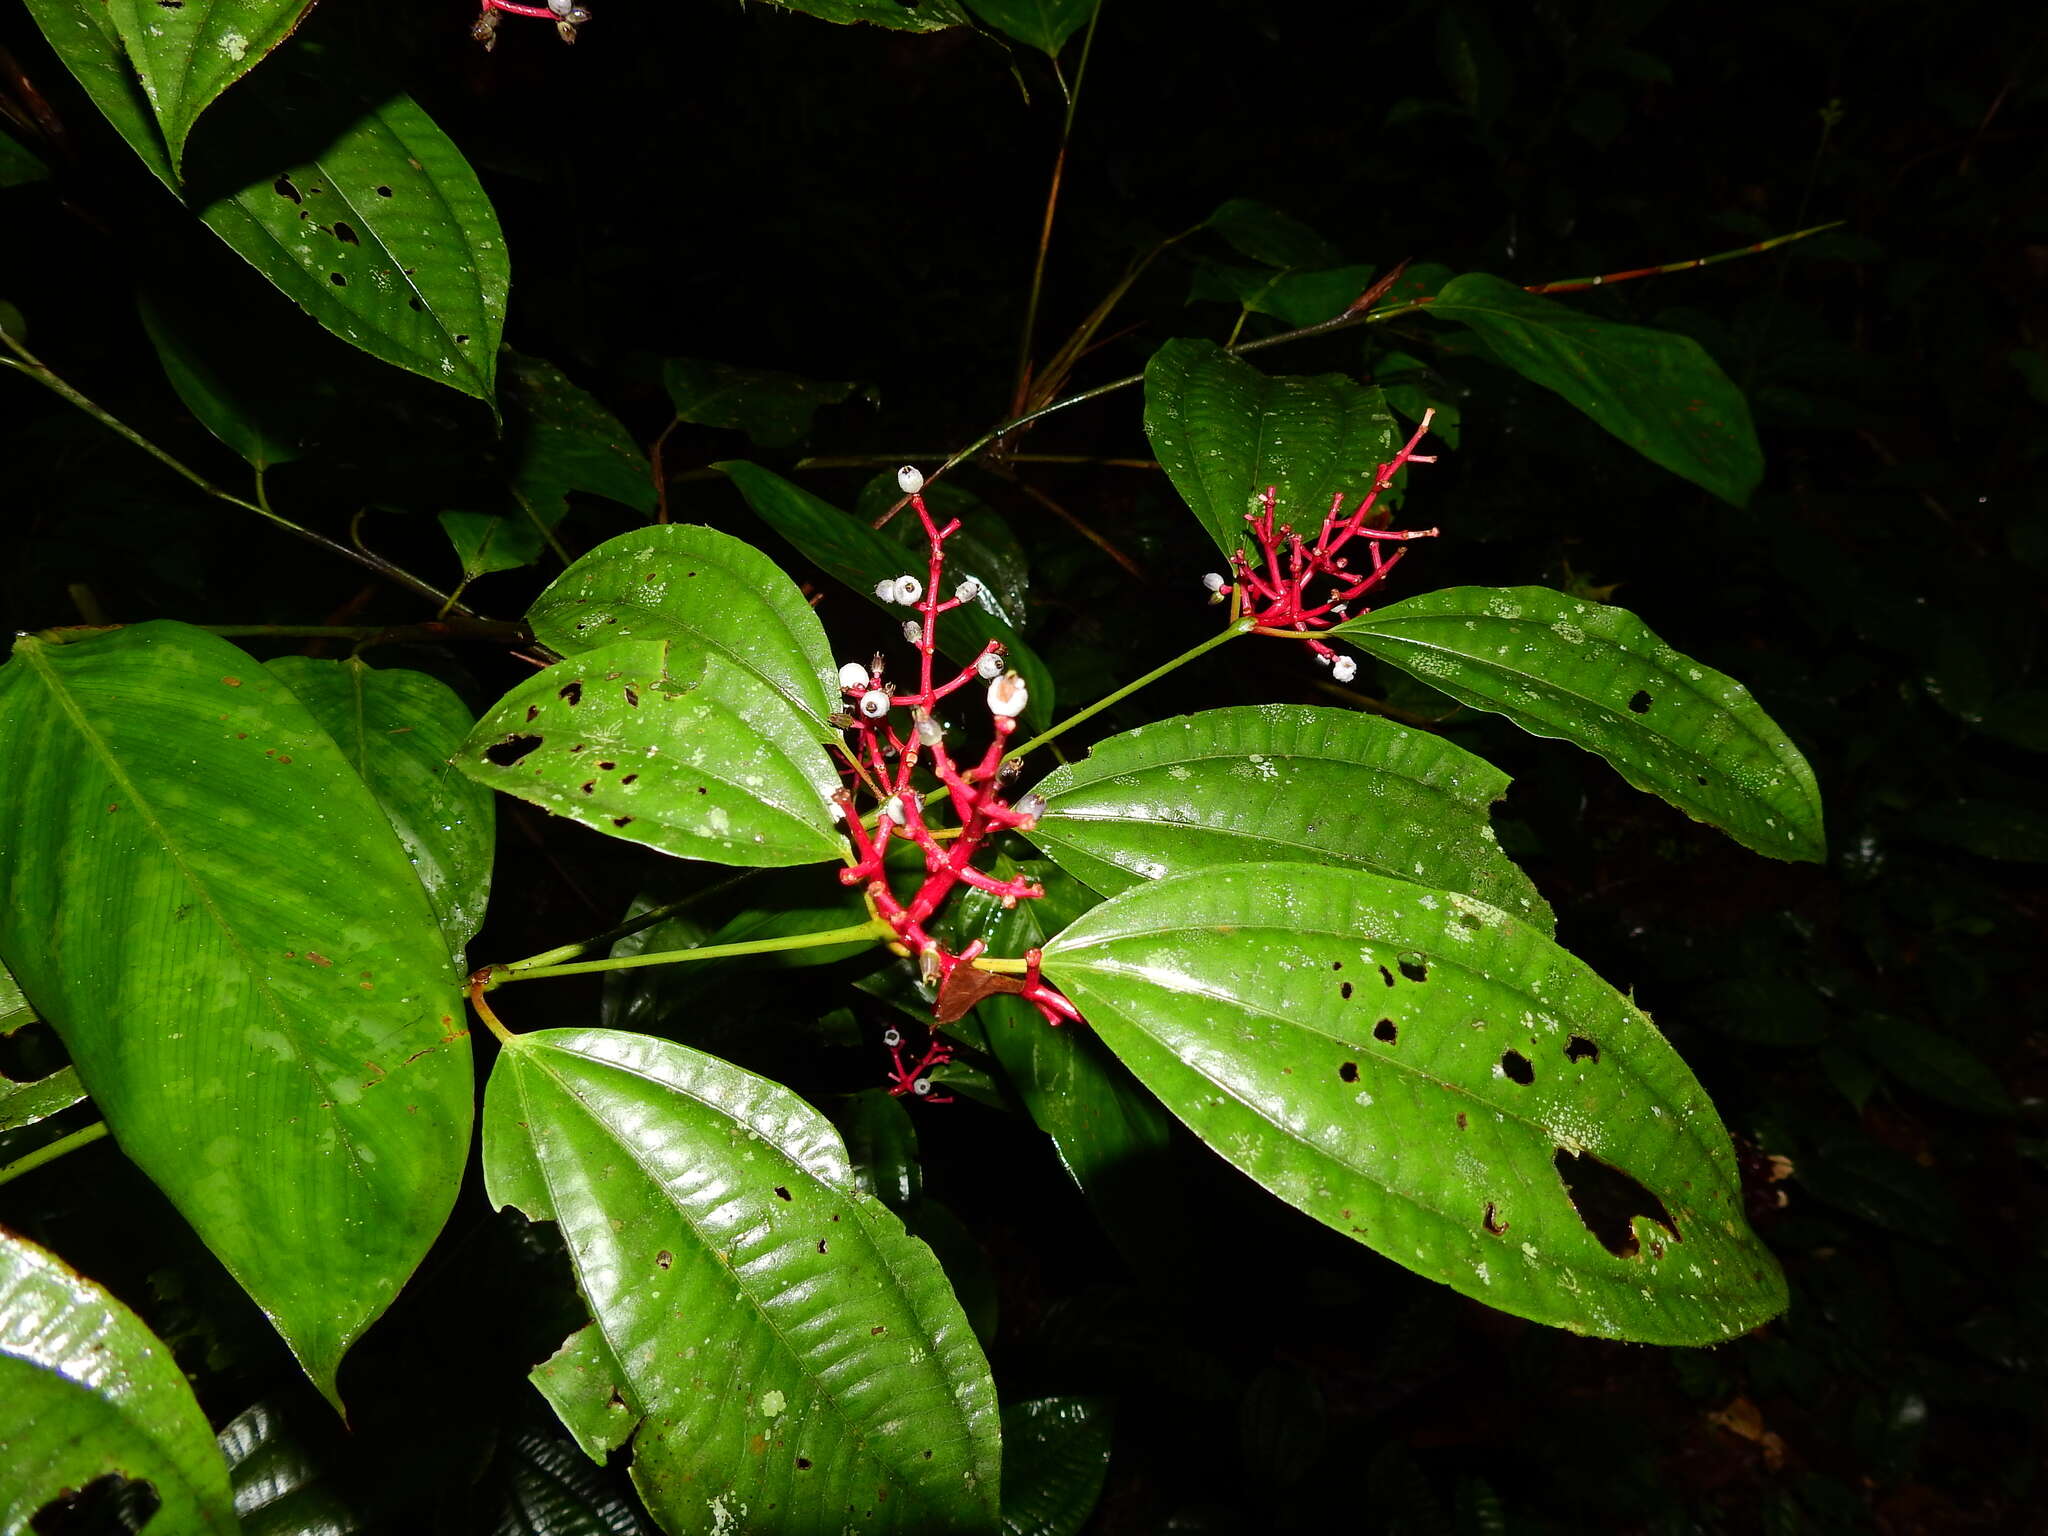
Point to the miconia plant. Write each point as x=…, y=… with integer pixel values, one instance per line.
x=248, y=896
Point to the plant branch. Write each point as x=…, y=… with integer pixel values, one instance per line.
x=527, y=970
x=34, y=367
x=49, y=1152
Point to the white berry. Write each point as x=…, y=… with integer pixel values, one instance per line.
x=1343, y=669
x=990, y=665
x=853, y=677
x=1032, y=806
x=929, y=731
x=910, y=479
x=892, y=1038
x=921, y=1087
x=967, y=591
x=886, y=590
x=1213, y=581
x=913, y=631
x=1008, y=696
x=908, y=590
x=874, y=704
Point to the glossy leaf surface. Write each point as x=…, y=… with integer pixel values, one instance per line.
x=1657, y=391
x=792, y=1359
x=1592, y=674
x=1041, y=24
x=219, y=922
x=86, y=1391
x=24, y=1103
x=1283, y=782
x=1055, y=1460
x=548, y=1489
x=773, y=409
x=399, y=729
x=186, y=55
x=560, y=439
x=1432, y=1077
x=862, y=558
x=280, y=1488
x=1225, y=431
x=664, y=744
x=697, y=590
x=372, y=193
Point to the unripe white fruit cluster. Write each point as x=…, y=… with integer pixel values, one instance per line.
x=900, y=589
x=1008, y=696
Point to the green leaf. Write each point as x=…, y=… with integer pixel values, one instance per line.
x=1991, y=829
x=695, y=589
x=1266, y=235
x=1426, y=1074
x=1584, y=672
x=398, y=730
x=773, y=409
x=24, y=1103
x=18, y=165
x=86, y=1392
x=983, y=547
x=14, y=1008
x=560, y=439
x=186, y=55
x=220, y=924
x=371, y=193
x=1055, y=1461
x=251, y=423
x=1042, y=24
x=862, y=558
x=485, y=543
x=549, y=1490
x=791, y=1358
x=1224, y=432
x=1271, y=782
x=896, y=15
x=668, y=745
x=1941, y=1067
x=881, y=1147
x=1298, y=298
x=280, y=1489
x=1657, y=391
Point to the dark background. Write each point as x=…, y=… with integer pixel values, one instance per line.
x=764, y=189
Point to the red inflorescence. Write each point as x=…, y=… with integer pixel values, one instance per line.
x=1273, y=589
x=884, y=762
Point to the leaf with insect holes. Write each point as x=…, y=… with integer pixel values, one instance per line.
x=764, y=1329
x=1430, y=1076
x=1225, y=431
x=667, y=744
x=1588, y=673
x=186, y=54
x=1321, y=786
x=86, y=1391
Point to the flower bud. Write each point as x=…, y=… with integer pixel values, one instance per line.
x=874, y=704
x=990, y=665
x=853, y=677
x=1007, y=695
x=910, y=479
x=913, y=631
x=1343, y=669
x=886, y=590
x=908, y=590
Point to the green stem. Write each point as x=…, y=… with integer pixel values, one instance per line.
x=1229, y=632
x=36, y=369
x=631, y=925
x=497, y=630
x=51, y=1151
x=528, y=970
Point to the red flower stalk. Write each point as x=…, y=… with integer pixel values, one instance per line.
x=885, y=763
x=567, y=15
x=1274, y=589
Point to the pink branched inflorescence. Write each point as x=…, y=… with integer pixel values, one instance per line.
x=1273, y=589
x=885, y=763
x=567, y=15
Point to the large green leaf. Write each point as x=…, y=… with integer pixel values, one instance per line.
x=792, y=1360
x=185, y=55
x=862, y=558
x=1296, y=297
x=87, y=1392
x=399, y=730
x=219, y=922
x=376, y=227
x=669, y=744
x=1269, y=236
x=1657, y=391
x=1055, y=1460
x=1318, y=786
x=1225, y=431
x=1588, y=673
x=281, y=1488
x=546, y=1488
x=1041, y=24
x=896, y=15
x=559, y=438
x=1436, y=1079
x=697, y=589
x=773, y=409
